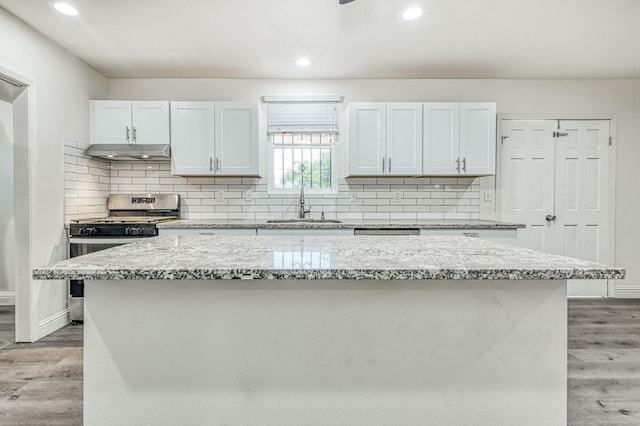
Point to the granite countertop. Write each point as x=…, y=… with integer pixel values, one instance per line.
x=325, y=257
x=345, y=224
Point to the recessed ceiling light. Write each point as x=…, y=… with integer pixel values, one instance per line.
x=65, y=8
x=412, y=13
x=303, y=62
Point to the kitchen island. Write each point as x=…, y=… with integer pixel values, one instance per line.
x=368, y=330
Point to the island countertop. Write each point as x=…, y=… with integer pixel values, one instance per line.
x=205, y=257
x=343, y=224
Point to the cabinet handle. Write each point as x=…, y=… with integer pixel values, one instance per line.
x=127, y=134
x=389, y=166
x=464, y=164
x=135, y=131
x=471, y=234
x=458, y=164
x=383, y=166
x=217, y=164
x=210, y=164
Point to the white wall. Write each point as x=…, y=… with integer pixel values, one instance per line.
x=7, y=234
x=62, y=87
x=619, y=97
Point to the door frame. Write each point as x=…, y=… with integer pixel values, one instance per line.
x=613, y=125
x=26, y=329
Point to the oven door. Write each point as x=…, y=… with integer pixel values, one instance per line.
x=85, y=245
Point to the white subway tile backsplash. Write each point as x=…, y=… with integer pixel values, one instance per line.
x=89, y=181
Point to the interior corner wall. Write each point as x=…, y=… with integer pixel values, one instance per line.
x=62, y=86
x=7, y=233
x=543, y=97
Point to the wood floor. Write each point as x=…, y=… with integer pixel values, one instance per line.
x=41, y=383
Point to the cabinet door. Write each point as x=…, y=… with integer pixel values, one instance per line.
x=441, y=138
x=367, y=138
x=150, y=121
x=112, y=122
x=192, y=138
x=404, y=139
x=478, y=138
x=237, y=142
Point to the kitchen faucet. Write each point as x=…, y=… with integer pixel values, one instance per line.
x=301, y=211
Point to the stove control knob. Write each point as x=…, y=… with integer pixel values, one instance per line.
x=134, y=231
x=88, y=230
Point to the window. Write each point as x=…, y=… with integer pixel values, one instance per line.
x=302, y=132
x=302, y=159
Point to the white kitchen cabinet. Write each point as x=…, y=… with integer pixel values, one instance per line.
x=385, y=139
x=214, y=139
x=139, y=122
x=192, y=136
x=367, y=139
x=459, y=138
x=237, y=146
x=304, y=231
x=206, y=231
x=504, y=236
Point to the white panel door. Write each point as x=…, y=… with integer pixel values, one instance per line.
x=441, y=138
x=558, y=188
x=237, y=145
x=404, y=139
x=112, y=122
x=478, y=138
x=582, y=201
x=527, y=180
x=367, y=138
x=150, y=120
x=192, y=138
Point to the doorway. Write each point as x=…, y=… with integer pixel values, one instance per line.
x=7, y=216
x=555, y=179
x=16, y=93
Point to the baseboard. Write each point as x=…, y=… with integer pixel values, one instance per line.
x=7, y=298
x=53, y=322
x=627, y=293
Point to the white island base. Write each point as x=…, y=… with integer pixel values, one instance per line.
x=325, y=352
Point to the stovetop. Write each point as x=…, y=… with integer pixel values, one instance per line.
x=126, y=220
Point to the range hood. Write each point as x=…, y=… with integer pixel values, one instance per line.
x=161, y=152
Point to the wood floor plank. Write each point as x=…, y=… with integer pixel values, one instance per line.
x=44, y=386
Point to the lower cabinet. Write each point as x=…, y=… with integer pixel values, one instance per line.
x=207, y=231
x=504, y=236
x=304, y=231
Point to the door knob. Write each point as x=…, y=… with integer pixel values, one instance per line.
x=551, y=218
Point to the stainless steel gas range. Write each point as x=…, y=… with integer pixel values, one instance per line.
x=131, y=218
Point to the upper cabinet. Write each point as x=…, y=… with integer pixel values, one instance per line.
x=478, y=138
x=141, y=122
x=433, y=139
x=459, y=139
x=236, y=141
x=214, y=138
x=385, y=139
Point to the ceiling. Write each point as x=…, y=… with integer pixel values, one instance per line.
x=362, y=39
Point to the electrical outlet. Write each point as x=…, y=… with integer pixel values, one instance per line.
x=248, y=195
x=397, y=196
x=487, y=196
x=219, y=195
x=352, y=197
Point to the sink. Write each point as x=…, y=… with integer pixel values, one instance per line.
x=304, y=221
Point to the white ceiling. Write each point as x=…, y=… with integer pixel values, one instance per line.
x=363, y=39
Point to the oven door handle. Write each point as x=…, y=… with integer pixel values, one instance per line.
x=105, y=240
